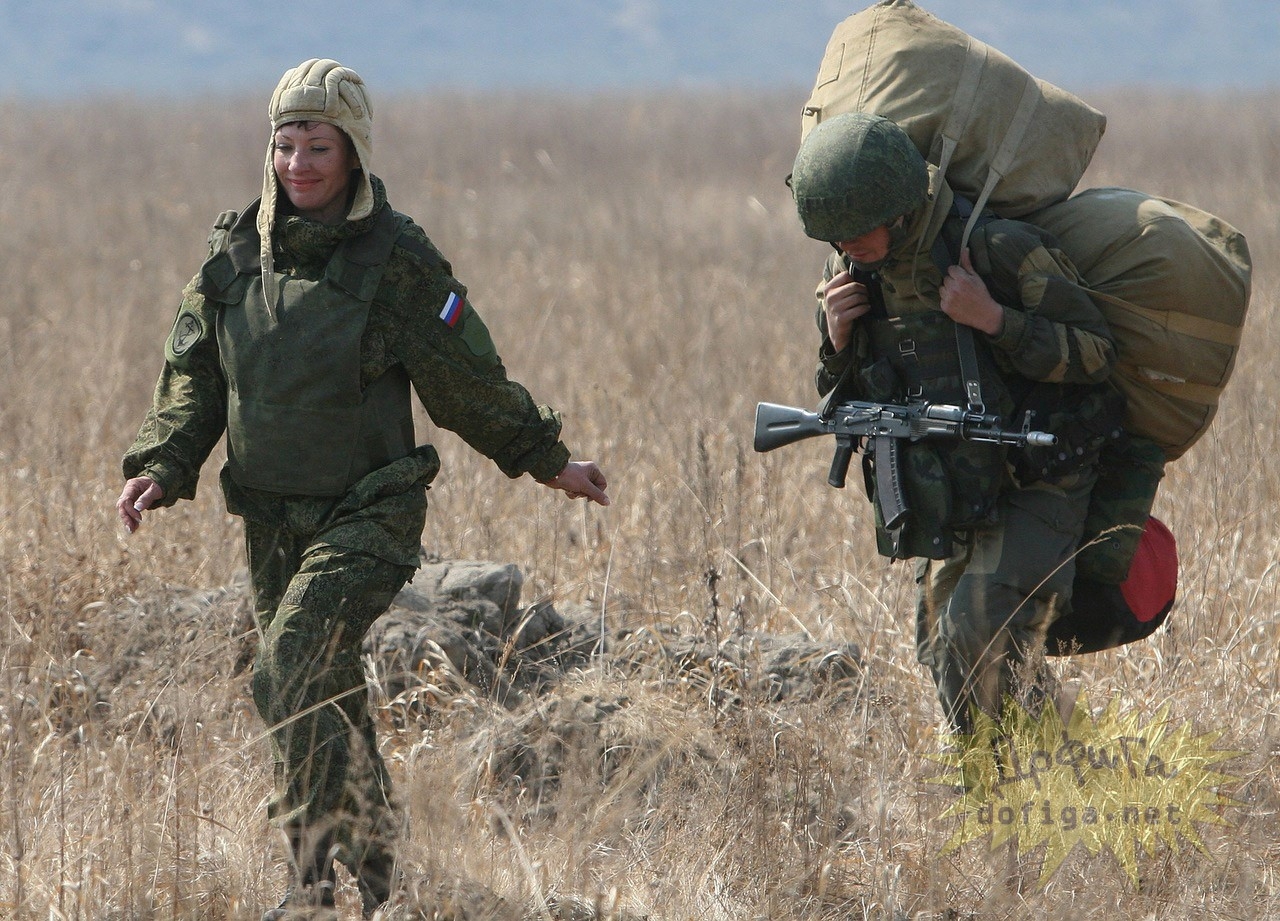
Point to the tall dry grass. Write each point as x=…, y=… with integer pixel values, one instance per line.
x=641, y=267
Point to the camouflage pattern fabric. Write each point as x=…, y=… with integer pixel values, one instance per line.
x=952, y=486
x=1053, y=331
x=1054, y=336
x=324, y=568
x=1057, y=335
x=1129, y=473
x=982, y=615
x=855, y=173
x=300, y=421
x=314, y=602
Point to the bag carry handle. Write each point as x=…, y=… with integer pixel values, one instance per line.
x=1003, y=160
x=964, y=102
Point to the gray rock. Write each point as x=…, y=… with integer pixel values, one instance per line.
x=436, y=583
x=469, y=613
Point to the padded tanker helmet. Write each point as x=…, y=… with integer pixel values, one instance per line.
x=854, y=173
x=317, y=90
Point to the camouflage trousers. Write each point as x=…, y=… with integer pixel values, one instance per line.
x=982, y=614
x=314, y=604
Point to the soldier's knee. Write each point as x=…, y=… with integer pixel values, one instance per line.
x=265, y=697
x=280, y=678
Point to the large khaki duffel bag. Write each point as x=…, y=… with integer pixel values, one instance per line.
x=1002, y=138
x=1173, y=282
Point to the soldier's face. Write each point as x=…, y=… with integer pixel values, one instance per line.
x=869, y=248
x=313, y=162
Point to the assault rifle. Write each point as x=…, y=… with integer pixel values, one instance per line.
x=884, y=426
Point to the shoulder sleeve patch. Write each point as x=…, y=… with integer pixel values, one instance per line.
x=189, y=330
x=459, y=316
x=454, y=307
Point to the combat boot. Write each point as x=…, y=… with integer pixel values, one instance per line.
x=376, y=878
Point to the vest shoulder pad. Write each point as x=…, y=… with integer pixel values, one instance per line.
x=218, y=273
x=232, y=252
x=221, y=231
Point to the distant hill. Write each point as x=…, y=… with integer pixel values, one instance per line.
x=60, y=48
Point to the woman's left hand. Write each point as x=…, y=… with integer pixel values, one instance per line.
x=966, y=300
x=581, y=479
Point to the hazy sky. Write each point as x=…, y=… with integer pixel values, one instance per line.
x=71, y=47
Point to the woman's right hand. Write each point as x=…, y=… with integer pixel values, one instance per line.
x=140, y=493
x=843, y=301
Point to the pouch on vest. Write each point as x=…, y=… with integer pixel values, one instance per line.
x=232, y=258
x=952, y=486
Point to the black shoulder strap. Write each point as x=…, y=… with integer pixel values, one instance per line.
x=946, y=253
x=946, y=245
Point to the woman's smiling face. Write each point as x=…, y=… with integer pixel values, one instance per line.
x=313, y=163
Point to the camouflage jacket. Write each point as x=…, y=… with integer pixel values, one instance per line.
x=453, y=366
x=1053, y=332
x=1053, y=356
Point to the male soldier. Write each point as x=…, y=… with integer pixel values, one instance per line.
x=299, y=338
x=993, y=530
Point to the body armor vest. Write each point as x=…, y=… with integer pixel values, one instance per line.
x=915, y=357
x=298, y=420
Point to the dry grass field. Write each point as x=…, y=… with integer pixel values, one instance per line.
x=642, y=269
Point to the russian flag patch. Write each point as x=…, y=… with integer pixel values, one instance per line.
x=452, y=309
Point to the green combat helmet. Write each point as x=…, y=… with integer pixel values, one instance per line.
x=854, y=173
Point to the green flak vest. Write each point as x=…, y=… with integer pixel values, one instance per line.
x=298, y=421
x=952, y=487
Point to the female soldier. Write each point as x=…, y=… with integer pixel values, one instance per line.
x=906, y=313
x=317, y=308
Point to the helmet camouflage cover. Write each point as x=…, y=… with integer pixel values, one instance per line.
x=854, y=173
